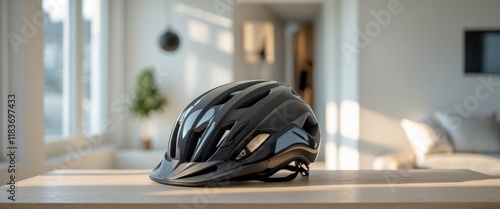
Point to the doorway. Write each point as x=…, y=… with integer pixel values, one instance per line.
x=290, y=59
x=303, y=69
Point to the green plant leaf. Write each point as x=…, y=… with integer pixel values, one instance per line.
x=147, y=97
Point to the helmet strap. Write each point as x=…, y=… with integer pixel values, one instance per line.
x=299, y=167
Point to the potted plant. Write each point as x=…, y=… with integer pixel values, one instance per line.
x=146, y=100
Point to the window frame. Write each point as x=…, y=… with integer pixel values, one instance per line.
x=69, y=66
x=73, y=46
x=99, y=63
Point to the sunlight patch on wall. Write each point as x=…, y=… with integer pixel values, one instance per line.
x=225, y=41
x=349, y=131
x=331, y=155
x=349, y=119
x=331, y=126
x=349, y=158
x=204, y=15
x=198, y=31
x=331, y=122
x=191, y=78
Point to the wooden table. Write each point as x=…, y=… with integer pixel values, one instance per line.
x=324, y=189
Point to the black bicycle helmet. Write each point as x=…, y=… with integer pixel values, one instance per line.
x=246, y=130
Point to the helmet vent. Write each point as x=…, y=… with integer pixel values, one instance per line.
x=219, y=137
x=225, y=99
x=234, y=93
x=310, y=126
x=194, y=142
x=254, y=99
x=173, y=141
x=223, y=137
x=253, y=145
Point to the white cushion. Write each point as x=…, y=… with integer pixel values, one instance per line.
x=483, y=163
x=426, y=137
x=472, y=134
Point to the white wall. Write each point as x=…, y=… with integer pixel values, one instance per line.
x=325, y=89
x=336, y=84
x=415, y=66
x=204, y=59
x=257, y=12
x=25, y=66
x=290, y=29
x=348, y=104
x=116, y=103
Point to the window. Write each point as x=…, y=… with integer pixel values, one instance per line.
x=73, y=68
x=56, y=77
x=92, y=66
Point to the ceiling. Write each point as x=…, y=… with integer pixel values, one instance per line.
x=295, y=12
x=290, y=10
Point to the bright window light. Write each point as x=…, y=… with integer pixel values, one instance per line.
x=91, y=67
x=73, y=73
x=57, y=94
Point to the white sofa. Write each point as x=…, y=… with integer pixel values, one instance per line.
x=472, y=144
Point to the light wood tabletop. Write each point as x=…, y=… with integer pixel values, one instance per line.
x=323, y=189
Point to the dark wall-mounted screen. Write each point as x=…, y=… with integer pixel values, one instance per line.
x=482, y=51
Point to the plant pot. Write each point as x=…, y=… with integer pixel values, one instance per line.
x=146, y=144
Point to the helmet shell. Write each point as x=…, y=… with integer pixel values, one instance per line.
x=240, y=129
